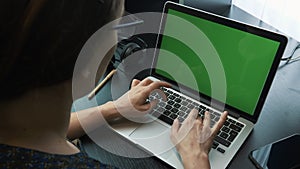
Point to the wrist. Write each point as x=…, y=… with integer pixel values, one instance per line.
x=195, y=161
x=109, y=111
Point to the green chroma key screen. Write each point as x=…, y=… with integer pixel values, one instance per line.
x=246, y=60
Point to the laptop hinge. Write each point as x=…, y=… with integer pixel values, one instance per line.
x=234, y=115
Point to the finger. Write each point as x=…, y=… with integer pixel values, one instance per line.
x=160, y=93
x=135, y=82
x=199, y=124
x=153, y=104
x=174, y=131
x=146, y=82
x=192, y=115
x=206, y=120
x=220, y=123
x=198, y=127
x=148, y=106
x=156, y=85
x=145, y=108
x=175, y=127
x=189, y=121
x=205, y=132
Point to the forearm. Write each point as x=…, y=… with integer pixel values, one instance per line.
x=89, y=119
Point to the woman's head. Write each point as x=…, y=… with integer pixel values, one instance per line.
x=42, y=39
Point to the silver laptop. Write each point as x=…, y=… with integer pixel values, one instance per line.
x=214, y=64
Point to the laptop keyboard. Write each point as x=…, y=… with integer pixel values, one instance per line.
x=178, y=106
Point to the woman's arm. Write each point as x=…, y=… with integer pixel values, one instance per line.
x=90, y=118
x=131, y=104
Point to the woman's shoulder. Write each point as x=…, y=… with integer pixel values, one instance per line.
x=18, y=157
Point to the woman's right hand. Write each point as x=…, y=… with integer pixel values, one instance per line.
x=194, y=137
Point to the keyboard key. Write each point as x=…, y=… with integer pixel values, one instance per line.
x=224, y=135
x=185, y=116
x=167, y=113
x=150, y=98
x=226, y=123
x=231, y=138
x=202, y=107
x=216, y=114
x=233, y=133
x=201, y=113
x=153, y=94
x=221, y=150
x=180, y=119
x=168, y=107
x=196, y=104
x=184, y=103
x=173, y=116
x=212, y=123
x=171, y=97
x=155, y=114
x=181, y=113
x=239, y=124
x=231, y=121
x=178, y=100
x=225, y=129
x=158, y=96
x=176, y=105
x=166, y=119
x=163, y=89
x=234, y=127
x=156, y=106
x=174, y=110
x=176, y=95
x=171, y=102
x=189, y=101
x=162, y=104
x=190, y=106
x=160, y=109
x=183, y=108
x=215, y=145
x=212, y=116
x=170, y=92
x=222, y=141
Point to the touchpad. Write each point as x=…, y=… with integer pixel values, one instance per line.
x=150, y=130
x=154, y=137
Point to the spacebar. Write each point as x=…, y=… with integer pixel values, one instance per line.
x=166, y=119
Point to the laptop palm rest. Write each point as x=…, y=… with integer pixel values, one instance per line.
x=148, y=130
x=153, y=136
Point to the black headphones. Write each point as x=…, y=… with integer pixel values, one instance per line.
x=127, y=47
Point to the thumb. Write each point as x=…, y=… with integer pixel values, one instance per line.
x=174, y=131
x=149, y=106
x=135, y=82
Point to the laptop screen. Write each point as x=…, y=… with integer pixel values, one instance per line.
x=219, y=58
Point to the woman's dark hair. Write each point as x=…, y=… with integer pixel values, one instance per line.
x=41, y=39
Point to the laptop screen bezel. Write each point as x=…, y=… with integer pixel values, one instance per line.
x=233, y=24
